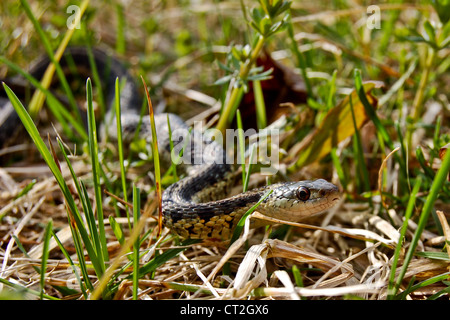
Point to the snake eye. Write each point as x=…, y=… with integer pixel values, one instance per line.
x=303, y=193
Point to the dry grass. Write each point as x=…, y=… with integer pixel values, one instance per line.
x=345, y=253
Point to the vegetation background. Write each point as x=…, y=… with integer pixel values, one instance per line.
x=374, y=76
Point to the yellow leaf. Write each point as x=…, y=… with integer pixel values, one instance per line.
x=335, y=127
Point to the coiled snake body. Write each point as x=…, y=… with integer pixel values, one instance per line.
x=193, y=207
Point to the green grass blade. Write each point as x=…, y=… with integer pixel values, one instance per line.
x=440, y=178
x=241, y=140
x=93, y=149
x=136, y=213
x=332, y=91
x=250, y=164
x=358, y=149
x=261, y=118
x=339, y=169
x=159, y=260
x=26, y=189
x=370, y=111
x=120, y=38
x=423, y=163
x=120, y=148
x=44, y=258
x=34, y=134
x=423, y=284
x=78, y=243
x=393, y=287
x=91, y=222
x=155, y=150
x=57, y=109
x=35, y=103
x=97, y=82
x=173, y=166
x=48, y=158
x=440, y=293
x=72, y=265
x=25, y=253
x=381, y=130
x=298, y=278
x=80, y=187
x=231, y=107
x=20, y=288
x=90, y=218
x=434, y=255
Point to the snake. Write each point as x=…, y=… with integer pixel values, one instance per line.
x=197, y=206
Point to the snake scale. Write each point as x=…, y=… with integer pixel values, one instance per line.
x=195, y=206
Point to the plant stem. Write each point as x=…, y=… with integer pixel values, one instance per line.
x=245, y=69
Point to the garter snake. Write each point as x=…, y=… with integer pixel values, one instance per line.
x=195, y=206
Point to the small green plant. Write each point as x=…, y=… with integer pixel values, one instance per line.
x=266, y=20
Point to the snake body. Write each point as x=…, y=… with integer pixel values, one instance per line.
x=195, y=206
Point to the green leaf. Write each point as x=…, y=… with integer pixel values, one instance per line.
x=442, y=8
x=265, y=25
x=257, y=14
x=223, y=80
x=434, y=255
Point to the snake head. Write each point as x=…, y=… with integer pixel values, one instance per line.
x=294, y=201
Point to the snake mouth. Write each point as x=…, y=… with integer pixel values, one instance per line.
x=334, y=199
